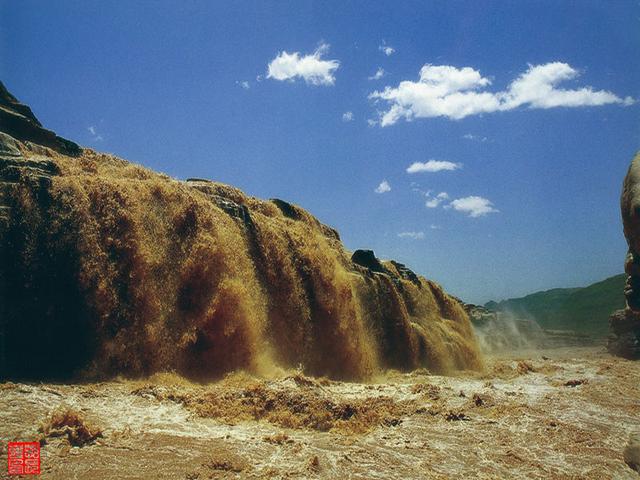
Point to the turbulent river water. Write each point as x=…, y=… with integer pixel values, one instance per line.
x=560, y=413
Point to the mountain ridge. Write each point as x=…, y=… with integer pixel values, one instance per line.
x=582, y=309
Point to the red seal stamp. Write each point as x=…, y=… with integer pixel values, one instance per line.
x=23, y=458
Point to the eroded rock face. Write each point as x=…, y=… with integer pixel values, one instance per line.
x=17, y=120
x=368, y=259
x=109, y=268
x=631, y=453
x=630, y=209
x=624, y=338
x=624, y=333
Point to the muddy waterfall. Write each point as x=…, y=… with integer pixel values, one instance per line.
x=109, y=268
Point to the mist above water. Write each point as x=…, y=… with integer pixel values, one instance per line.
x=503, y=332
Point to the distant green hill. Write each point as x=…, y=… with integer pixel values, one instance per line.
x=584, y=310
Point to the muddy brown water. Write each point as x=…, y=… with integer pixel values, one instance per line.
x=561, y=413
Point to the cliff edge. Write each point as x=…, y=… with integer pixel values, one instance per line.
x=624, y=325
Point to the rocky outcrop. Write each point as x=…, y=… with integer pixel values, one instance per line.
x=405, y=272
x=212, y=190
x=17, y=120
x=368, y=260
x=624, y=338
x=109, y=268
x=630, y=209
x=478, y=314
x=631, y=452
x=16, y=172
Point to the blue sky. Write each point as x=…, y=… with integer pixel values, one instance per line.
x=522, y=113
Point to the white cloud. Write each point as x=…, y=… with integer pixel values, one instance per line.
x=412, y=235
x=475, y=138
x=432, y=166
x=433, y=202
x=311, y=68
x=537, y=88
x=378, y=75
x=473, y=206
x=244, y=84
x=94, y=133
x=347, y=116
x=456, y=93
x=384, y=187
x=435, y=227
x=386, y=49
x=371, y=123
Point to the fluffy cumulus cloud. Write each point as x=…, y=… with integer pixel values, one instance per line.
x=347, y=116
x=537, y=87
x=378, y=75
x=432, y=166
x=412, y=235
x=473, y=206
x=388, y=50
x=433, y=202
x=456, y=93
x=384, y=187
x=311, y=68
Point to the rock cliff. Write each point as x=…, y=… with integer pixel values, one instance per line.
x=624, y=338
x=109, y=268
